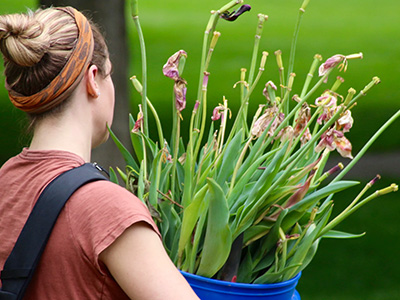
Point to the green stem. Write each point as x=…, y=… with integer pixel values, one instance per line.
x=212, y=23
x=135, y=18
x=353, y=207
x=238, y=165
x=138, y=86
x=203, y=121
x=293, y=46
x=261, y=19
x=189, y=169
x=241, y=111
x=175, y=157
x=224, y=119
x=285, y=100
x=279, y=62
x=310, y=75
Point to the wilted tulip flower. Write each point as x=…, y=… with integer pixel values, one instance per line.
x=170, y=69
x=302, y=119
x=234, y=15
x=346, y=121
x=286, y=134
x=217, y=112
x=330, y=63
x=336, y=60
x=139, y=121
x=271, y=114
x=180, y=94
x=327, y=99
x=343, y=146
x=329, y=103
x=305, y=137
x=269, y=87
x=334, y=139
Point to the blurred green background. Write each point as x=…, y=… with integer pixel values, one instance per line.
x=365, y=268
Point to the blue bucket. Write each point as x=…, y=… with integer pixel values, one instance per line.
x=212, y=289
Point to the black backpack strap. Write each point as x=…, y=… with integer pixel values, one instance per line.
x=20, y=265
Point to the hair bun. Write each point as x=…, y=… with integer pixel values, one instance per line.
x=23, y=40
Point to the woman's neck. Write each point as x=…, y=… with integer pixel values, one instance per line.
x=65, y=132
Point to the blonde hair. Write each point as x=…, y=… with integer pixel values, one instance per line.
x=37, y=45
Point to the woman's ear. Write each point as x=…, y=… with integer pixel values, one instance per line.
x=91, y=84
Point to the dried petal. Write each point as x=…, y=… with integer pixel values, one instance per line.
x=262, y=123
x=343, y=146
x=170, y=69
x=180, y=94
x=234, y=15
x=330, y=63
x=335, y=139
x=346, y=121
x=327, y=99
x=139, y=121
x=303, y=118
x=305, y=137
x=268, y=87
x=286, y=134
x=326, y=141
x=217, y=112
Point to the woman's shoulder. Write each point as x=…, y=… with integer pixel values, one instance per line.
x=106, y=194
x=101, y=211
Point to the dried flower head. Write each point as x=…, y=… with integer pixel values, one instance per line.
x=171, y=68
x=139, y=121
x=334, y=139
x=330, y=63
x=180, y=94
x=234, y=15
x=271, y=114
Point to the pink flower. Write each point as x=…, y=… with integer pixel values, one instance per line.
x=328, y=102
x=343, y=146
x=346, y=121
x=217, y=112
x=327, y=99
x=271, y=114
x=286, y=134
x=305, y=137
x=327, y=141
x=139, y=121
x=170, y=69
x=302, y=119
x=180, y=94
x=335, y=139
x=330, y=63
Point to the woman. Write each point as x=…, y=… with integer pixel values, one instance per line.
x=104, y=244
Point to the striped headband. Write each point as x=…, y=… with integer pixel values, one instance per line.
x=69, y=77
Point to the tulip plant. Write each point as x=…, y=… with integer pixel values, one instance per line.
x=248, y=202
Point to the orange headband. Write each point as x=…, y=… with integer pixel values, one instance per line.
x=60, y=87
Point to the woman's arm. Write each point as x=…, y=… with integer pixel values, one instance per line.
x=138, y=262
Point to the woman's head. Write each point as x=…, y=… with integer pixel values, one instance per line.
x=46, y=52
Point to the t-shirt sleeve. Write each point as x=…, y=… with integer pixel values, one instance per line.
x=99, y=212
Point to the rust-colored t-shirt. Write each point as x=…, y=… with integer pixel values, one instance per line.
x=91, y=220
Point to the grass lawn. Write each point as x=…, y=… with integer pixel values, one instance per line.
x=364, y=268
